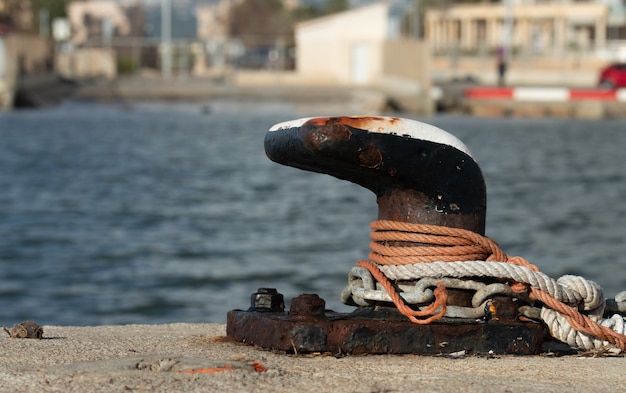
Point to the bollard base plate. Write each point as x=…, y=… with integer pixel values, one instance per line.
x=381, y=331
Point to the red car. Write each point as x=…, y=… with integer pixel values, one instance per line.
x=613, y=76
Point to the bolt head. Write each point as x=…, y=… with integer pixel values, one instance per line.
x=267, y=300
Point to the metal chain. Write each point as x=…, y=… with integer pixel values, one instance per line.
x=362, y=290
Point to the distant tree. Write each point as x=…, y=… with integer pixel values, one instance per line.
x=17, y=14
x=305, y=12
x=450, y=2
x=471, y=1
x=333, y=6
x=260, y=22
x=55, y=8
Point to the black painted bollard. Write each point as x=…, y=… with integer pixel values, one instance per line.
x=419, y=173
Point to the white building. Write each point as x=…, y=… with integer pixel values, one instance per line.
x=544, y=28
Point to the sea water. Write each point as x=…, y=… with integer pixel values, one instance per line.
x=153, y=212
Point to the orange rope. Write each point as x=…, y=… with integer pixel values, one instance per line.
x=441, y=297
x=430, y=243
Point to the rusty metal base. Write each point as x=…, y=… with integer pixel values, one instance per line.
x=380, y=331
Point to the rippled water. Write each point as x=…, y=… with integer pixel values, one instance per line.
x=150, y=213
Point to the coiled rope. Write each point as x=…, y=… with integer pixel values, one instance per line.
x=404, y=251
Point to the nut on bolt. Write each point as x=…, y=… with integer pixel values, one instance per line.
x=308, y=304
x=267, y=299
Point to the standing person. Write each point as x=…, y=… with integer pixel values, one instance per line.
x=3, y=59
x=501, y=66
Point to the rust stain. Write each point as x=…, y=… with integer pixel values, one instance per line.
x=209, y=370
x=370, y=156
x=318, y=121
x=328, y=132
x=258, y=367
x=360, y=122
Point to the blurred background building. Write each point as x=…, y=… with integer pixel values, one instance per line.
x=208, y=36
x=317, y=41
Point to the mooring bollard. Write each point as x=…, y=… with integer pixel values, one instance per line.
x=433, y=283
x=418, y=172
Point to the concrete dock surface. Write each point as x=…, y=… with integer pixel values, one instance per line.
x=197, y=358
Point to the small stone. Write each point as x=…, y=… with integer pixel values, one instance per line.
x=25, y=329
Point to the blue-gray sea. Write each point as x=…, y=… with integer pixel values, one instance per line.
x=154, y=212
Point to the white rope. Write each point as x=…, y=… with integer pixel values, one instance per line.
x=571, y=290
x=561, y=329
x=575, y=291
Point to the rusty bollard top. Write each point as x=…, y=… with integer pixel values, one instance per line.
x=419, y=173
